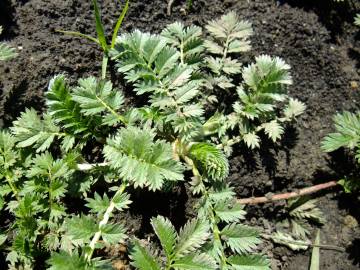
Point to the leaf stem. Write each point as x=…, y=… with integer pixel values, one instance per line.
x=103, y=222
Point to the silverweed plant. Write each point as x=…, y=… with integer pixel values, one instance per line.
x=347, y=135
x=6, y=52
x=161, y=139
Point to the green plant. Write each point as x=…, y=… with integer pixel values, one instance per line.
x=6, y=52
x=347, y=126
x=357, y=19
x=101, y=39
x=45, y=159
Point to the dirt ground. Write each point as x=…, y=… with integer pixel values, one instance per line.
x=318, y=40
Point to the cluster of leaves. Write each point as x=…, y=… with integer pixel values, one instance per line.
x=43, y=158
x=172, y=68
x=6, y=52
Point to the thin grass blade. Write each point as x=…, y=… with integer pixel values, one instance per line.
x=118, y=23
x=315, y=256
x=99, y=27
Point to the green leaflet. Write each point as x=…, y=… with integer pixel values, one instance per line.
x=211, y=160
x=142, y=160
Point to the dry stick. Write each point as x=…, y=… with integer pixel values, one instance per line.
x=285, y=196
x=170, y=3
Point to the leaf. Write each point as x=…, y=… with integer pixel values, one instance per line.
x=211, y=160
x=141, y=160
x=195, y=262
x=252, y=140
x=347, y=133
x=95, y=98
x=294, y=108
x=306, y=209
x=30, y=130
x=113, y=233
x=81, y=228
x=166, y=232
x=229, y=211
x=240, y=238
x=357, y=19
x=98, y=205
x=8, y=154
x=66, y=261
x=66, y=112
x=249, y=262
x=191, y=237
x=6, y=52
x=229, y=27
x=142, y=259
x=273, y=129
x=315, y=255
x=121, y=201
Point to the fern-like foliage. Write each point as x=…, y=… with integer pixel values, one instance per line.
x=30, y=130
x=141, y=160
x=155, y=68
x=95, y=98
x=263, y=90
x=228, y=36
x=218, y=206
x=187, y=40
x=6, y=52
x=357, y=19
x=210, y=160
x=182, y=250
x=347, y=133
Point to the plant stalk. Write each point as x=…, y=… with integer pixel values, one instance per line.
x=103, y=222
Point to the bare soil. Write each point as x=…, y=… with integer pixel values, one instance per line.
x=318, y=40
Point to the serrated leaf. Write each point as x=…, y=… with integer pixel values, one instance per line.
x=211, y=160
x=6, y=52
x=249, y=262
x=240, y=238
x=30, y=130
x=195, y=262
x=191, y=237
x=273, y=129
x=166, y=233
x=229, y=211
x=252, y=140
x=347, y=133
x=142, y=259
x=142, y=160
x=113, y=233
x=83, y=227
x=96, y=97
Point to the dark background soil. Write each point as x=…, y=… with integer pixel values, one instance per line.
x=318, y=40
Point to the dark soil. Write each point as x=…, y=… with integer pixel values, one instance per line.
x=318, y=40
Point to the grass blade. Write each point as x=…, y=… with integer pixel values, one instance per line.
x=315, y=256
x=99, y=27
x=118, y=23
x=78, y=34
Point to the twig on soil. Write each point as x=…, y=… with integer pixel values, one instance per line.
x=285, y=196
x=170, y=3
